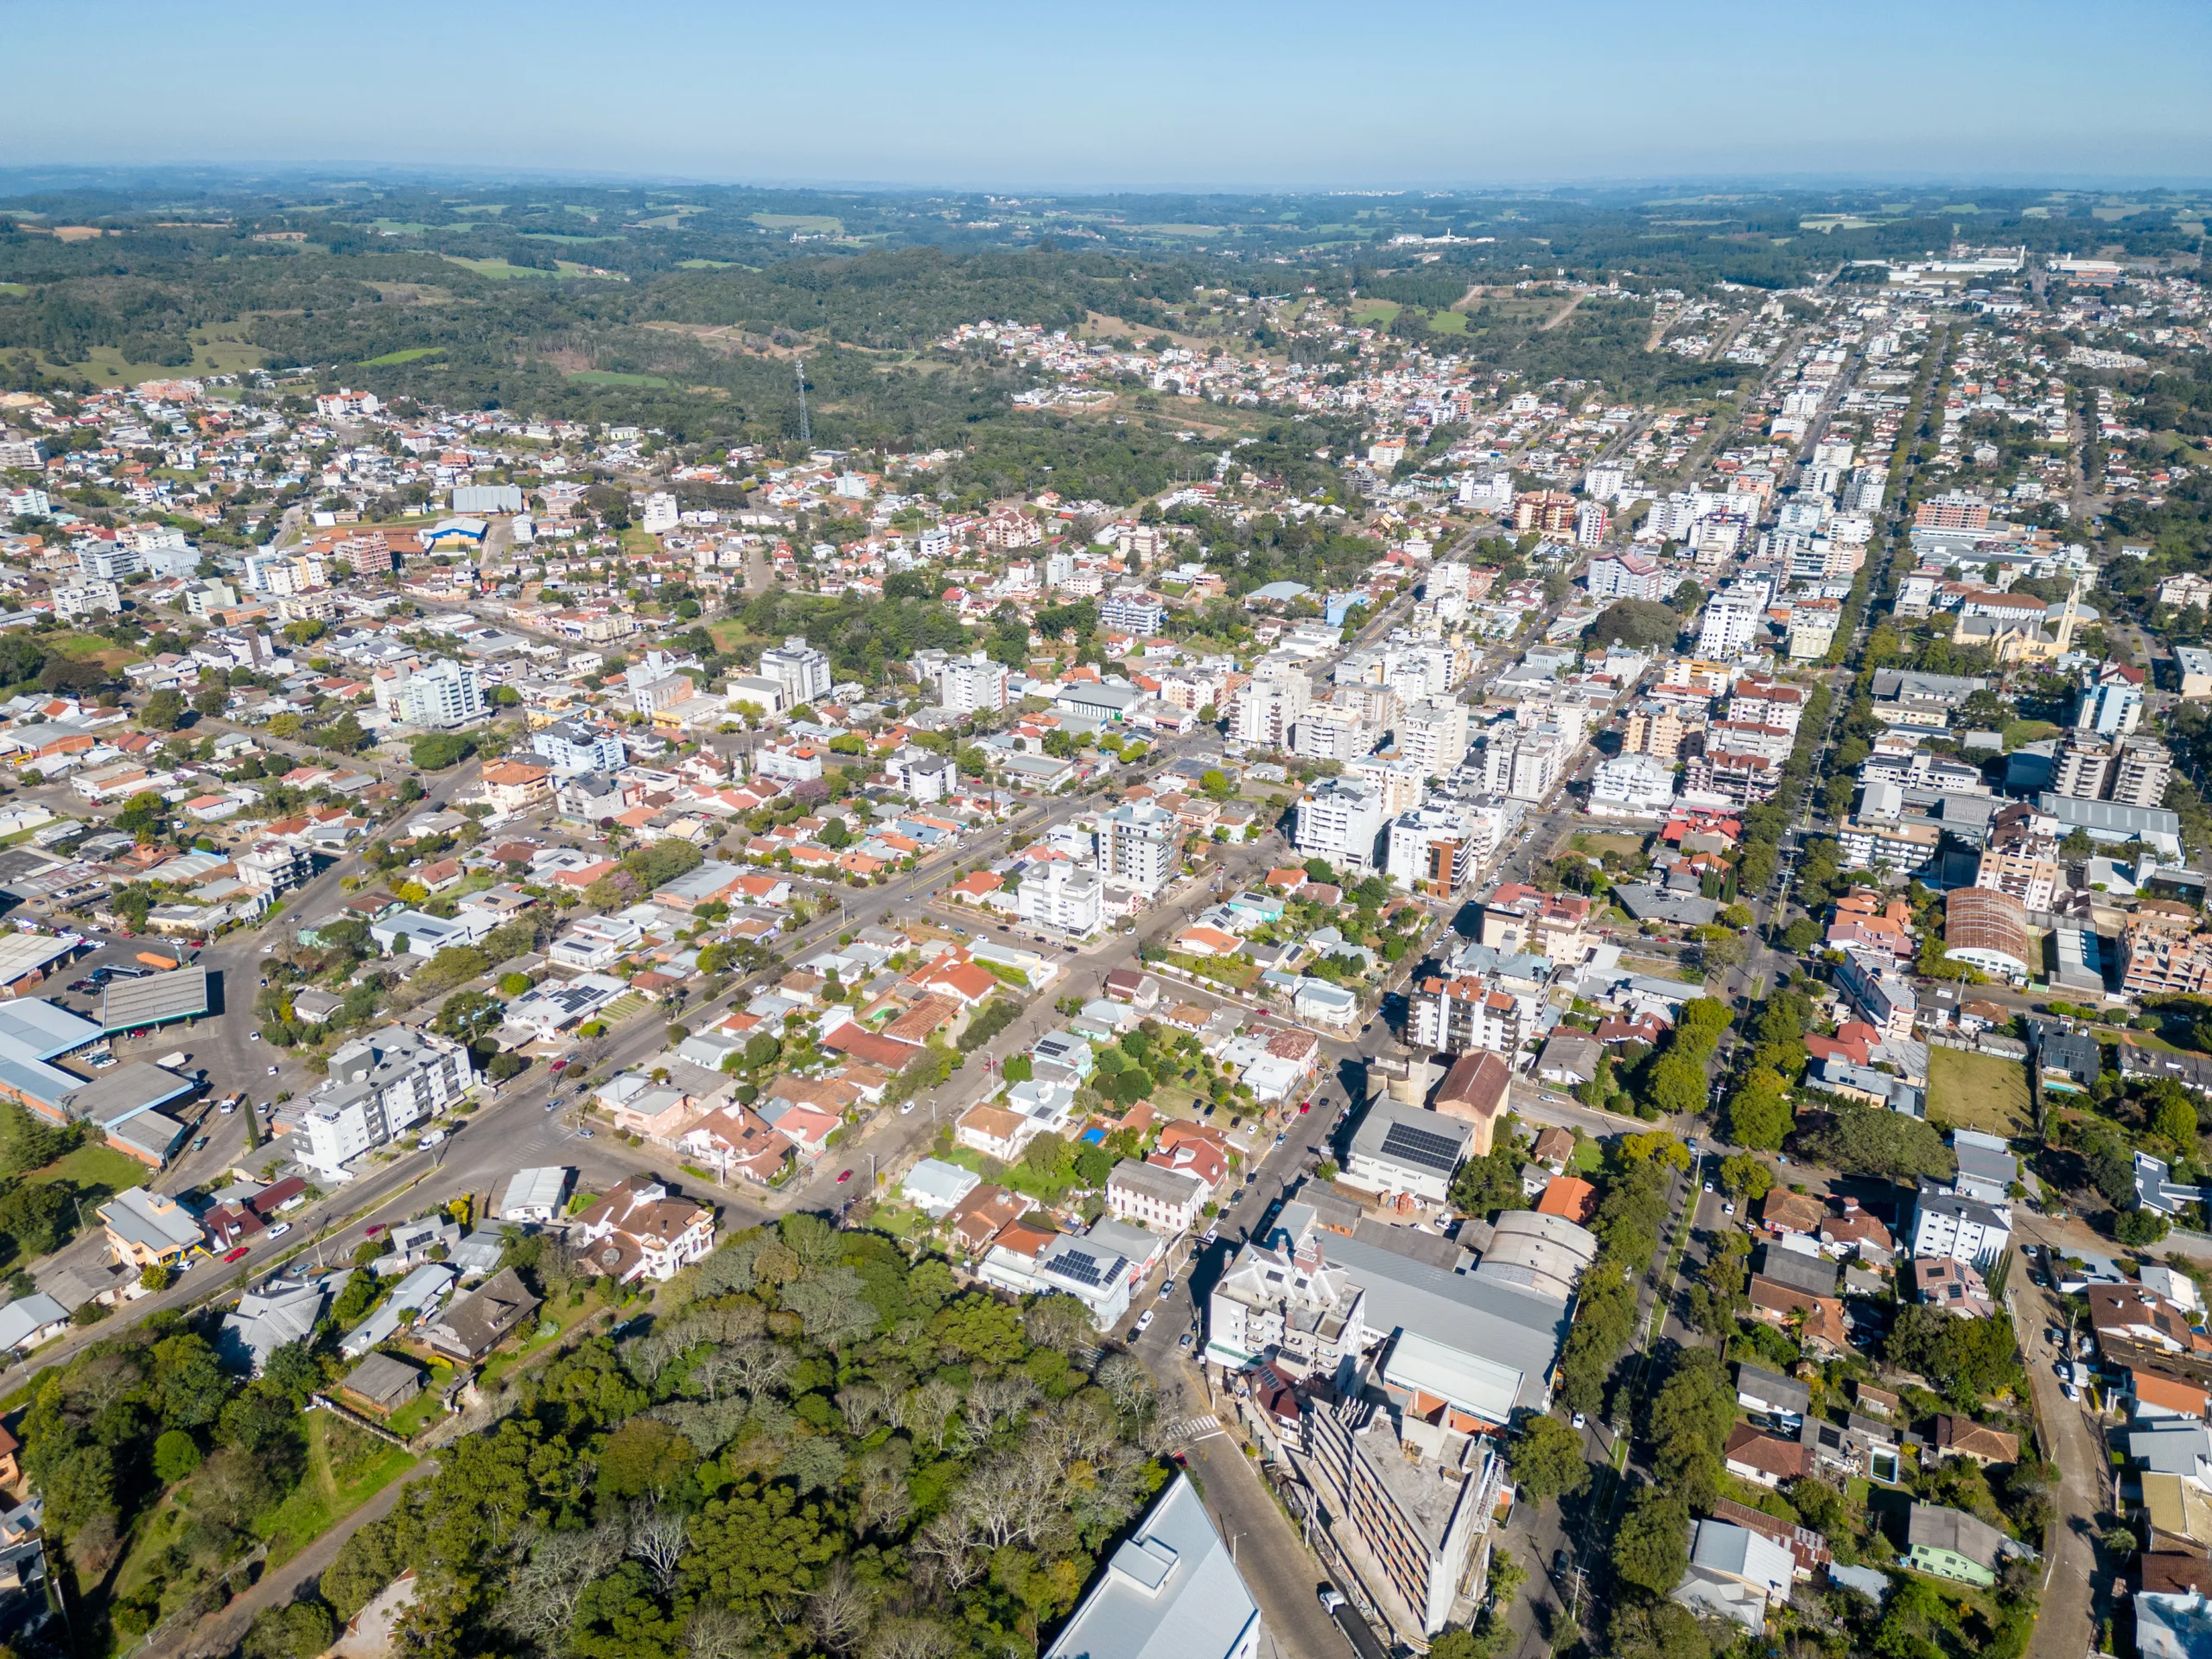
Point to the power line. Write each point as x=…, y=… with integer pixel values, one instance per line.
x=805, y=429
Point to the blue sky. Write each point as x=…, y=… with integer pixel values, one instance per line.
x=977, y=93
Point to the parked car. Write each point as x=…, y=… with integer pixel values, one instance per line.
x=280, y=1229
x=235, y=1256
x=1144, y=1322
x=1166, y=1289
x=844, y=1175
x=1331, y=1599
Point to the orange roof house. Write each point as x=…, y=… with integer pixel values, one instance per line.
x=1570, y=1197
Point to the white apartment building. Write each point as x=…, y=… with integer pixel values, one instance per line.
x=1064, y=896
x=803, y=671
x=87, y=598
x=1632, y=786
x=379, y=1085
x=1340, y=819
x=967, y=683
x=1967, y=1230
x=1731, y=628
x=1138, y=845
x=1161, y=1200
x=1434, y=736
x=660, y=513
x=1538, y=762
x=1267, y=709
x=1629, y=575
x=1440, y=847
x=1460, y=1015
x=1332, y=733
x=443, y=695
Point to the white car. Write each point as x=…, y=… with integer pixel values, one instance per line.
x=1728, y=1209
x=904, y=1107
x=253, y=1036
x=1144, y=1322
x=272, y=1071
x=280, y=1229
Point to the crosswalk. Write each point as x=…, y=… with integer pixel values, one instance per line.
x=1193, y=1428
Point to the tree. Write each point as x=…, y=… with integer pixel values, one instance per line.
x=1637, y=623
x=1758, y=1112
x=1745, y=1177
x=1868, y=1141
x=2139, y=1227
x=1546, y=1459
x=1651, y=1549
x=176, y=1454
x=164, y=711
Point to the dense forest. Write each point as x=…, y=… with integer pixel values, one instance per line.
x=816, y=1445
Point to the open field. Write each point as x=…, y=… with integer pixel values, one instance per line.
x=805, y=224
x=413, y=353
x=94, y=1169
x=1978, y=1091
x=609, y=377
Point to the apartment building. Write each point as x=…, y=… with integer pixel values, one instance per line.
x=967, y=684
x=1630, y=575
x=1458, y=1015
x=1434, y=736
x=1138, y=844
x=2030, y=878
x=445, y=695
x=379, y=1086
x=570, y=746
x=803, y=671
x=1341, y=820
x=1064, y=896
x=1659, y=728
x=1270, y=707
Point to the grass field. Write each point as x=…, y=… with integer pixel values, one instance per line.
x=345, y=1469
x=806, y=224
x=609, y=377
x=423, y=1409
x=1383, y=312
x=1978, y=1091
x=1447, y=322
x=2017, y=732
x=94, y=1168
x=409, y=355
x=1597, y=844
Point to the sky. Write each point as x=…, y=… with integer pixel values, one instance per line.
x=1140, y=94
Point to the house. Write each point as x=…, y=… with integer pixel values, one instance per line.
x=1476, y=1091
x=1943, y=1282
x=1764, y=1458
x=937, y=1188
x=29, y=1321
x=1164, y=1201
x=2152, y=1397
x=737, y=1140
x=1734, y=1574
x=1785, y=1211
x=147, y=1228
x=1952, y=1544
x=1776, y=1396
x=279, y=1312
x=984, y=1214
x=472, y=1327
x=1961, y=1436
x=383, y=1382
x=1570, y=1059
x=641, y=1230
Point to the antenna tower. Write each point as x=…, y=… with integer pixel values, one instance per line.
x=805, y=430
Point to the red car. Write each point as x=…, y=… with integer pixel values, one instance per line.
x=235, y=1255
x=373, y=1228
x=1304, y=1107
x=844, y=1175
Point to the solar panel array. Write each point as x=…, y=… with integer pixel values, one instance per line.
x=1422, y=1147
x=1080, y=1266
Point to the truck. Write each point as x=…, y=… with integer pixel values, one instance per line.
x=172, y=1060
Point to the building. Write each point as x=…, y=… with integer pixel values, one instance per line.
x=1476, y=1089
x=1340, y=820
x=148, y=1228
x=1407, y=1152
x=534, y=1195
x=1947, y=1223
x=1988, y=930
x=1139, y=613
x=1270, y=707
x=1630, y=575
x=1170, y=1592
x=1433, y=735
x=1422, y=1521
x=471, y=1327
x=803, y=671
x=2028, y=877
x=569, y=746
x=379, y=1086
x=445, y=695
x=966, y=684
x=1457, y=1015
x=266, y=1319
x=641, y=1230
x=1139, y=846
x=1164, y=1201
x=1062, y=896
x=1950, y=1543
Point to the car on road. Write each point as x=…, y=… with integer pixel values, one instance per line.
x=904, y=1107
x=1729, y=1208
x=1708, y=1186
x=1166, y=1288
x=1580, y=1422
x=1184, y=1341
x=587, y=1134
x=844, y=1175
x=280, y=1229
x=1304, y=1107
x=433, y=1137
x=1144, y=1322
x=272, y=1071
x=1331, y=1599
x=550, y=1104
x=253, y=1036
x=238, y=1254
x=373, y=1229
x=199, y=1145
x=1282, y=1135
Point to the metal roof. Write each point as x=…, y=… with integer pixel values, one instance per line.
x=179, y=994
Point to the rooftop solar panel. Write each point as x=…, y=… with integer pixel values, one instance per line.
x=1424, y=1147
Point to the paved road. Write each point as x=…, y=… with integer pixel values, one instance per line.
x=2072, y=1598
